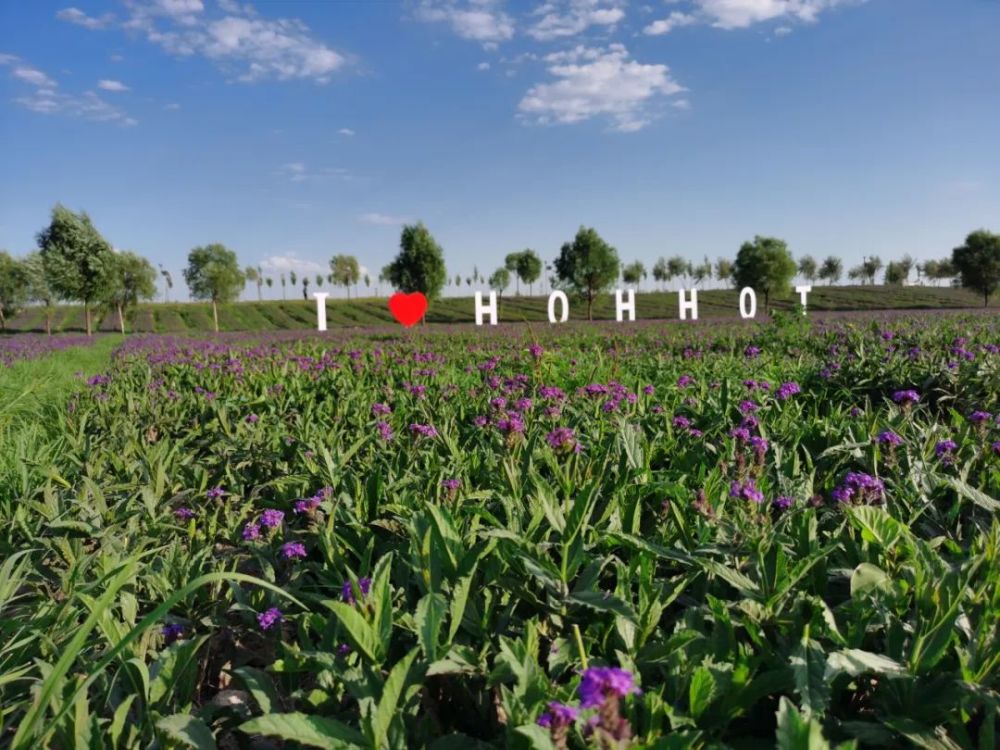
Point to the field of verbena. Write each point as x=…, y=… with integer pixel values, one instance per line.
x=421, y=540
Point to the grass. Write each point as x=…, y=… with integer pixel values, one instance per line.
x=33, y=399
x=273, y=315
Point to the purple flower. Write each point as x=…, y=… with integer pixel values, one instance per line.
x=512, y=424
x=742, y=434
x=172, y=631
x=522, y=405
x=996, y=447
x=748, y=407
x=251, y=531
x=856, y=412
x=183, y=514
x=888, y=437
x=600, y=682
x=480, y=421
x=759, y=444
x=681, y=422
x=271, y=518
x=293, y=550
x=307, y=504
x=535, y=350
x=498, y=403
x=268, y=618
x=551, y=393
x=559, y=714
x=906, y=398
x=214, y=493
x=859, y=488
x=252, y=418
x=423, y=430
x=783, y=503
x=451, y=485
x=378, y=409
x=562, y=439
x=347, y=590
x=684, y=381
x=944, y=450
x=648, y=390
x=979, y=417
x=751, y=352
x=787, y=390
x=385, y=431
x=747, y=490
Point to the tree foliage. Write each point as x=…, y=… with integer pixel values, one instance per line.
x=633, y=273
x=831, y=269
x=978, y=263
x=13, y=287
x=765, y=265
x=587, y=266
x=526, y=267
x=213, y=273
x=808, y=268
x=345, y=271
x=500, y=280
x=419, y=266
x=724, y=270
x=76, y=257
x=130, y=278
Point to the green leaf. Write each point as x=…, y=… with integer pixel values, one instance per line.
x=315, y=731
x=604, y=602
x=808, y=662
x=187, y=729
x=537, y=737
x=393, y=688
x=796, y=732
x=702, y=691
x=361, y=633
x=867, y=578
x=969, y=492
x=429, y=618
x=854, y=662
x=260, y=686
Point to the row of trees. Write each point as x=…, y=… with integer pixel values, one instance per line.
x=74, y=262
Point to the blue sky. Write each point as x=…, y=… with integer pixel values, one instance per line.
x=291, y=131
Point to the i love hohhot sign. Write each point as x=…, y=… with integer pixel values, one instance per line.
x=409, y=309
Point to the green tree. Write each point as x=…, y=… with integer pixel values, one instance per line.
x=857, y=273
x=269, y=281
x=871, y=267
x=808, y=268
x=587, y=266
x=765, y=265
x=419, y=266
x=831, y=270
x=13, y=287
x=894, y=274
x=76, y=258
x=130, y=279
x=633, y=273
x=906, y=264
x=168, y=282
x=368, y=282
x=661, y=271
x=677, y=266
x=526, y=266
x=345, y=271
x=283, y=285
x=978, y=263
x=702, y=272
x=500, y=280
x=305, y=287
x=38, y=288
x=319, y=280
x=724, y=270
x=253, y=275
x=293, y=278
x=458, y=279
x=213, y=273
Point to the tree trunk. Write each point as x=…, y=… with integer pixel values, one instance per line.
x=215, y=315
x=590, y=307
x=86, y=315
x=3, y=320
x=121, y=320
x=48, y=321
x=259, y=297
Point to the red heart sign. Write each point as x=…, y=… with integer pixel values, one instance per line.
x=408, y=308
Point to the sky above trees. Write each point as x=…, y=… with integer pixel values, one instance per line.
x=295, y=131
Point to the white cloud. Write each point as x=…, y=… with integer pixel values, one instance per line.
x=297, y=171
x=483, y=66
x=783, y=30
x=246, y=46
x=566, y=18
x=291, y=262
x=116, y=58
x=345, y=131
x=46, y=99
x=109, y=85
x=738, y=14
x=682, y=104
x=170, y=106
x=77, y=16
x=478, y=20
x=383, y=220
x=33, y=76
x=593, y=82
x=665, y=25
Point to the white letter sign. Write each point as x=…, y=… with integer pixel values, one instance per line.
x=320, y=310
x=685, y=305
x=482, y=309
x=745, y=293
x=621, y=307
x=561, y=297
